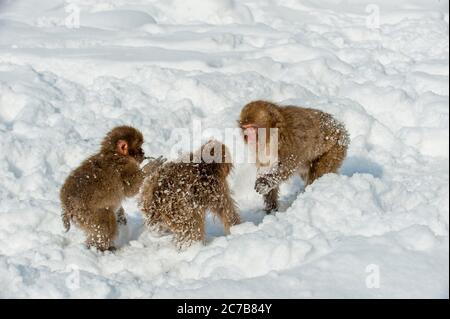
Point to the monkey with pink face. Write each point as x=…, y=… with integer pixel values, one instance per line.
x=311, y=143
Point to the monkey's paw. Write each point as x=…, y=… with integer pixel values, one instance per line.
x=264, y=185
x=121, y=220
x=153, y=165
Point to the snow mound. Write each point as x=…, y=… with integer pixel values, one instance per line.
x=123, y=19
x=204, y=11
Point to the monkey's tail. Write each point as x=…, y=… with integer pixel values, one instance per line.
x=66, y=221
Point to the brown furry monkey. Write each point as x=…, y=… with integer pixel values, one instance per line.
x=92, y=194
x=177, y=196
x=310, y=142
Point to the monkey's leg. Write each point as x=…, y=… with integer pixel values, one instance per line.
x=193, y=226
x=121, y=217
x=303, y=171
x=227, y=212
x=66, y=219
x=328, y=162
x=198, y=229
x=187, y=226
x=271, y=200
x=101, y=229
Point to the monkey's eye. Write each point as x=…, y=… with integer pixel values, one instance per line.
x=138, y=152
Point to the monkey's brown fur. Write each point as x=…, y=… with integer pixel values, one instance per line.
x=178, y=195
x=92, y=194
x=310, y=142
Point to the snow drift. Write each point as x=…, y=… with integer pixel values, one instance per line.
x=379, y=229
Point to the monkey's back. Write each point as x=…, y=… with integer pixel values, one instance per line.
x=92, y=184
x=177, y=191
x=311, y=132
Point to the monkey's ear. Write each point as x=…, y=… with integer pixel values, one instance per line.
x=122, y=147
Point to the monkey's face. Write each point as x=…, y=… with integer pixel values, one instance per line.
x=137, y=153
x=254, y=116
x=130, y=149
x=250, y=131
x=126, y=141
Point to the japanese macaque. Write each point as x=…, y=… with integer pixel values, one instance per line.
x=310, y=142
x=177, y=196
x=92, y=194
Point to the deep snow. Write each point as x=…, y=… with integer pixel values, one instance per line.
x=379, y=229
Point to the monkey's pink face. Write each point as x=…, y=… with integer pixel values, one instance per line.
x=250, y=133
x=253, y=117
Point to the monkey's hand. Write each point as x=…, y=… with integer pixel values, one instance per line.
x=153, y=165
x=264, y=184
x=121, y=218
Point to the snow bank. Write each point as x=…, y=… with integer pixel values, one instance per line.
x=379, y=229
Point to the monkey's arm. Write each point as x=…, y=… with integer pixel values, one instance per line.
x=275, y=175
x=153, y=165
x=133, y=177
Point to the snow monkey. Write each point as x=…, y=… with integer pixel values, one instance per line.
x=92, y=194
x=177, y=196
x=310, y=142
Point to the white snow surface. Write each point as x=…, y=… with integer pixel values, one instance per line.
x=379, y=229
